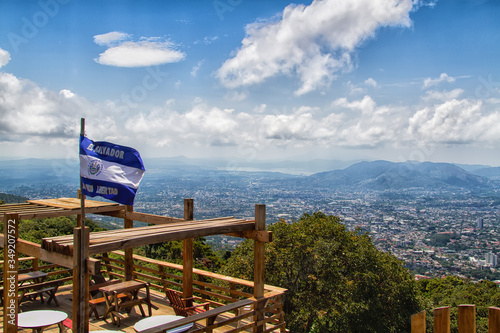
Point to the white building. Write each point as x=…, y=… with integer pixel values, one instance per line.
x=491, y=259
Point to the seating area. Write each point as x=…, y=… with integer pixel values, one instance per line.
x=176, y=297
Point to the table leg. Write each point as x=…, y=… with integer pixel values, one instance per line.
x=148, y=299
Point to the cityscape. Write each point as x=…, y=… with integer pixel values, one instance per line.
x=436, y=232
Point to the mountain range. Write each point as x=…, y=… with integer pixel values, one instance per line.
x=373, y=175
x=385, y=175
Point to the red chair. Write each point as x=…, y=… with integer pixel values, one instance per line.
x=179, y=304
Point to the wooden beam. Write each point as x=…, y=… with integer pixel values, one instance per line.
x=467, y=318
x=442, y=320
x=187, y=255
x=80, y=282
x=493, y=320
x=150, y=218
x=418, y=322
x=35, y=250
x=10, y=271
x=165, y=236
x=128, y=259
x=259, y=266
x=261, y=236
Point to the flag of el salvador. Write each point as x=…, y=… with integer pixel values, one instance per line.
x=109, y=170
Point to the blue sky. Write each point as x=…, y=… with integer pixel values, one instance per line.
x=249, y=80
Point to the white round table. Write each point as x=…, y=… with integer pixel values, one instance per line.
x=154, y=321
x=39, y=319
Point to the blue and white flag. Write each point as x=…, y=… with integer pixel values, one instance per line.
x=110, y=171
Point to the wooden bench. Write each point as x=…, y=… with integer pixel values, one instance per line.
x=93, y=302
x=32, y=291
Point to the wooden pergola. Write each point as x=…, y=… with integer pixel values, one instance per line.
x=74, y=251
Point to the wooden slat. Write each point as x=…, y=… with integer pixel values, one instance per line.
x=418, y=322
x=466, y=318
x=493, y=320
x=166, y=236
x=71, y=203
x=442, y=320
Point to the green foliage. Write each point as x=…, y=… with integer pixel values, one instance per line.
x=6, y=198
x=337, y=280
x=205, y=257
x=35, y=230
x=442, y=240
x=453, y=291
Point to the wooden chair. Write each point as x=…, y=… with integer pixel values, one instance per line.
x=179, y=304
x=94, y=300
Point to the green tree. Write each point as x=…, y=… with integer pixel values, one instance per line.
x=205, y=257
x=453, y=291
x=337, y=280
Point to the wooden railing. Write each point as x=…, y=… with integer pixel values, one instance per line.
x=35, y=266
x=231, y=298
x=466, y=320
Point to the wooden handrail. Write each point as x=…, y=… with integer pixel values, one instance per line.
x=224, y=296
x=466, y=320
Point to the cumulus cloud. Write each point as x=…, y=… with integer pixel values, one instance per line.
x=123, y=52
x=455, y=122
x=312, y=42
x=28, y=110
x=66, y=93
x=371, y=82
x=4, y=57
x=34, y=114
x=429, y=82
x=442, y=95
x=110, y=38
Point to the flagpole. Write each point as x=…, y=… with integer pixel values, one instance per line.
x=82, y=196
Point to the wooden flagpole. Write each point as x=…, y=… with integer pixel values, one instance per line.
x=82, y=196
x=80, y=271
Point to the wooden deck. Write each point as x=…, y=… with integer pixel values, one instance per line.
x=64, y=297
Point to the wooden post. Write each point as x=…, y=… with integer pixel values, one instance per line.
x=259, y=266
x=418, y=322
x=80, y=281
x=442, y=320
x=187, y=257
x=129, y=254
x=10, y=271
x=493, y=320
x=466, y=318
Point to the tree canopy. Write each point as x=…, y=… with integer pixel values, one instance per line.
x=337, y=280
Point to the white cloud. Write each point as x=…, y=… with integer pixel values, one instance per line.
x=429, y=82
x=311, y=42
x=66, y=93
x=110, y=38
x=30, y=111
x=455, y=122
x=145, y=52
x=371, y=82
x=196, y=68
x=442, y=95
x=35, y=116
x=4, y=57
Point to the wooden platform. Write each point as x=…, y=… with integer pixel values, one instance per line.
x=57, y=207
x=64, y=296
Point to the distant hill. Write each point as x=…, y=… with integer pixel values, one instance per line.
x=491, y=172
x=384, y=175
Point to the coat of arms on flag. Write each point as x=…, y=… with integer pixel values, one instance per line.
x=109, y=170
